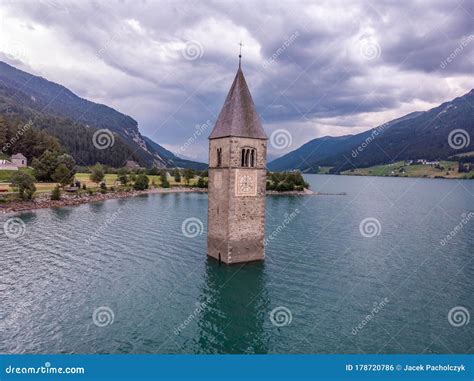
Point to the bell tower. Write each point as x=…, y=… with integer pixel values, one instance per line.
x=237, y=179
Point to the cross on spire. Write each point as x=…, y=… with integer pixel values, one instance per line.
x=240, y=52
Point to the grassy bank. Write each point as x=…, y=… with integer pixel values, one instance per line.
x=446, y=169
x=110, y=180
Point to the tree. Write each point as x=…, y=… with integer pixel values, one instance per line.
x=188, y=175
x=67, y=160
x=153, y=171
x=177, y=175
x=286, y=181
x=56, y=193
x=164, y=180
x=44, y=166
x=97, y=173
x=141, y=183
x=122, y=176
x=25, y=184
x=62, y=175
x=3, y=133
x=201, y=183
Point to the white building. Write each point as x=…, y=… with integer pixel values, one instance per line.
x=19, y=160
x=7, y=165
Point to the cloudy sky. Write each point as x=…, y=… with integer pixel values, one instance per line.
x=315, y=68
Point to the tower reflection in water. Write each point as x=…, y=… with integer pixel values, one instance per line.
x=235, y=305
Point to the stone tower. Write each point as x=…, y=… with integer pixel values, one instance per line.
x=237, y=179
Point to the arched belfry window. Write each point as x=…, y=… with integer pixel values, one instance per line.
x=219, y=157
x=248, y=157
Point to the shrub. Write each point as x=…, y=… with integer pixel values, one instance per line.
x=25, y=184
x=97, y=173
x=122, y=176
x=56, y=193
x=164, y=179
x=141, y=183
x=177, y=175
x=201, y=183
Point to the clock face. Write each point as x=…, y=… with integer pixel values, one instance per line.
x=245, y=183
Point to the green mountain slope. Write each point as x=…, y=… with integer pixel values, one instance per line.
x=74, y=120
x=420, y=135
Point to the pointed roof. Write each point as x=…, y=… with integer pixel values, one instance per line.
x=238, y=116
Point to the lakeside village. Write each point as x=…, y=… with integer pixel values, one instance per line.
x=54, y=179
x=457, y=167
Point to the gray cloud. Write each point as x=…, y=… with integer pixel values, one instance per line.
x=313, y=67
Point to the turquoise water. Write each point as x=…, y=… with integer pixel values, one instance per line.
x=335, y=290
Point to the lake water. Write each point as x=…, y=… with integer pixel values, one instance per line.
x=332, y=289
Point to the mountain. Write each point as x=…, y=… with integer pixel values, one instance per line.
x=419, y=135
x=171, y=159
x=74, y=120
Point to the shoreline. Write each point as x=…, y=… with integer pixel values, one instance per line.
x=44, y=201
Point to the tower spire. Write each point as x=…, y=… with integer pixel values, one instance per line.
x=240, y=53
